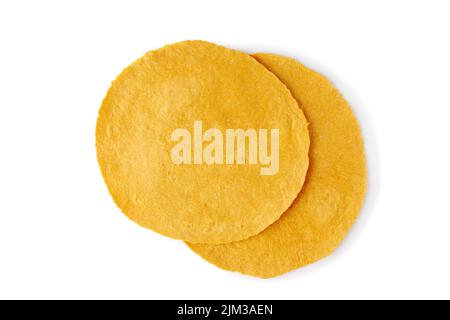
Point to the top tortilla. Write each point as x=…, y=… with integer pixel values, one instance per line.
x=170, y=88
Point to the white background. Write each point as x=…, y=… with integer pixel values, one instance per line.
x=61, y=236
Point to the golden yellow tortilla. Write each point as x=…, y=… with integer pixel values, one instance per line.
x=170, y=89
x=333, y=192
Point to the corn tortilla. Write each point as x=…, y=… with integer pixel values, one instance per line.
x=332, y=195
x=171, y=88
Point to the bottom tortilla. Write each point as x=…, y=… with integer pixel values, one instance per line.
x=332, y=196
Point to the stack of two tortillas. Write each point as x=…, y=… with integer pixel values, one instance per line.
x=164, y=152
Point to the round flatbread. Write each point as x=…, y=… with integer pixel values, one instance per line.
x=165, y=168
x=333, y=192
